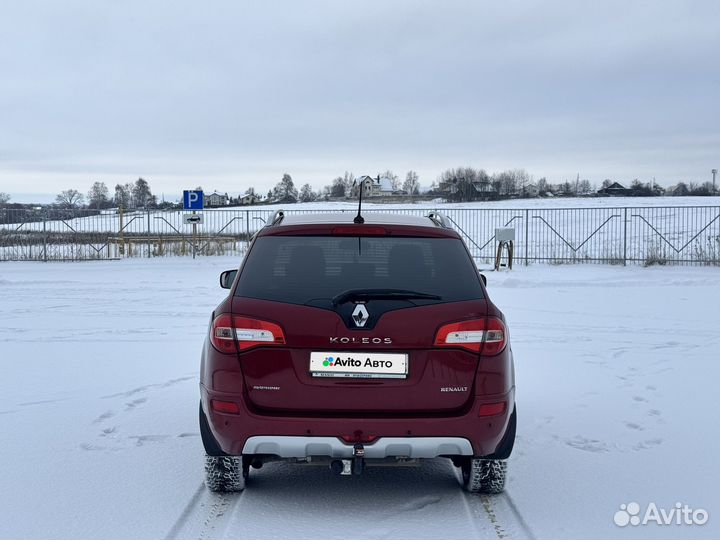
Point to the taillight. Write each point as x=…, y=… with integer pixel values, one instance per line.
x=230, y=334
x=488, y=335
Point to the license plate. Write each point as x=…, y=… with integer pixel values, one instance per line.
x=359, y=365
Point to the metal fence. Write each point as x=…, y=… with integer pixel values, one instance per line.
x=627, y=235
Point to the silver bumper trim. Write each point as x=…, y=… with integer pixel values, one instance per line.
x=411, y=447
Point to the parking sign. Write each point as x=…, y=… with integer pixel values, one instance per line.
x=193, y=200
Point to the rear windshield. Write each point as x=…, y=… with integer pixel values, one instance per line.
x=310, y=269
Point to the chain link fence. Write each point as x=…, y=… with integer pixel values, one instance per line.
x=623, y=235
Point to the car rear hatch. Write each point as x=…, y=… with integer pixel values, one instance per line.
x=358, y=318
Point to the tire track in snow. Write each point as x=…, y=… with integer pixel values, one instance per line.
x=205, y=516
x=185, y=515
x=499, y=511
x=489, y=508
x=296, y=501
x=216, y=523
x=518, y=517
x=422, y=502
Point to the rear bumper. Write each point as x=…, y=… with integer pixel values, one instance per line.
x=417, y=436
x=411, y=447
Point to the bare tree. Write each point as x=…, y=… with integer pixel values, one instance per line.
x=412, y=183
x=338, y=188
x=542, y=186
x=506, y=182
x=522, y=179
x=4, y=198
x=584, y=187
x=98, y=196
x=122, y=196
x=70, y=198
x=348, y=181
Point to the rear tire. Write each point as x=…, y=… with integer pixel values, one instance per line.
x=484, y=475
x=224, y=474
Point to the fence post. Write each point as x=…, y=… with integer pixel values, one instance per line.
x=527, y=226
x=625, y=236
x=148, y=234
x=120, y=232
x=247, y=229
x=45, y=257
x=194, y=226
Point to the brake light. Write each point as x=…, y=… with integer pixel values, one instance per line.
x=231, y=334
x=488, y=335
x=359, y=230
x=359, y=437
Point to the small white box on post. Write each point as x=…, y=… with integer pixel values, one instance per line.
x=505, y=238
x=505, y=234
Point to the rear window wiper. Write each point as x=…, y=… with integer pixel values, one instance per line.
x=380, y=294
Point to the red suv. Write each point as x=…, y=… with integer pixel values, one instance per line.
x=355, y=343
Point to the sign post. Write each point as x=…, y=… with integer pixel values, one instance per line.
x=193, y=200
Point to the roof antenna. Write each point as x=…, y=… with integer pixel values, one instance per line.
x=359, y=219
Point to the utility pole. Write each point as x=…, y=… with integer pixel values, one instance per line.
x=714, y=173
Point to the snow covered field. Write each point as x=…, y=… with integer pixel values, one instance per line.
x=617, y=372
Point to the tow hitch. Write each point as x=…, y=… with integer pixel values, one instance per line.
x=346, y=467
x=359, y=459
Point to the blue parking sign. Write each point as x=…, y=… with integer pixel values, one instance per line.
x=193, y=200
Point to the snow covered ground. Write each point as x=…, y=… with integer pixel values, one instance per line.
x=617, y=372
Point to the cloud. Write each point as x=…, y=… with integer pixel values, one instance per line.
x=240, y=92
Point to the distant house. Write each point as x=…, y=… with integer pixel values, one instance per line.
x=374, y=187
x=658, y=190
x=531, y=190
x=485, y=189
x=249, y=198
x=448, y=186
x=679, y=190
x=614, y=189
x=217, y=199
x=367, y=186
x=479, y=190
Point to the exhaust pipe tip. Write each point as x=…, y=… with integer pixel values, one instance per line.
x=336, y=466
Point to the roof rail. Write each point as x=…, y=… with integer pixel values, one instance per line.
x=439, y=219
x=276, y=218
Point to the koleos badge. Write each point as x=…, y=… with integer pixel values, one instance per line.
x=360, y=316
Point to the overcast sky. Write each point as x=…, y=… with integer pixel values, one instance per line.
x=229, y=94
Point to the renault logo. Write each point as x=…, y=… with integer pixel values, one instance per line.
x=360, y=316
